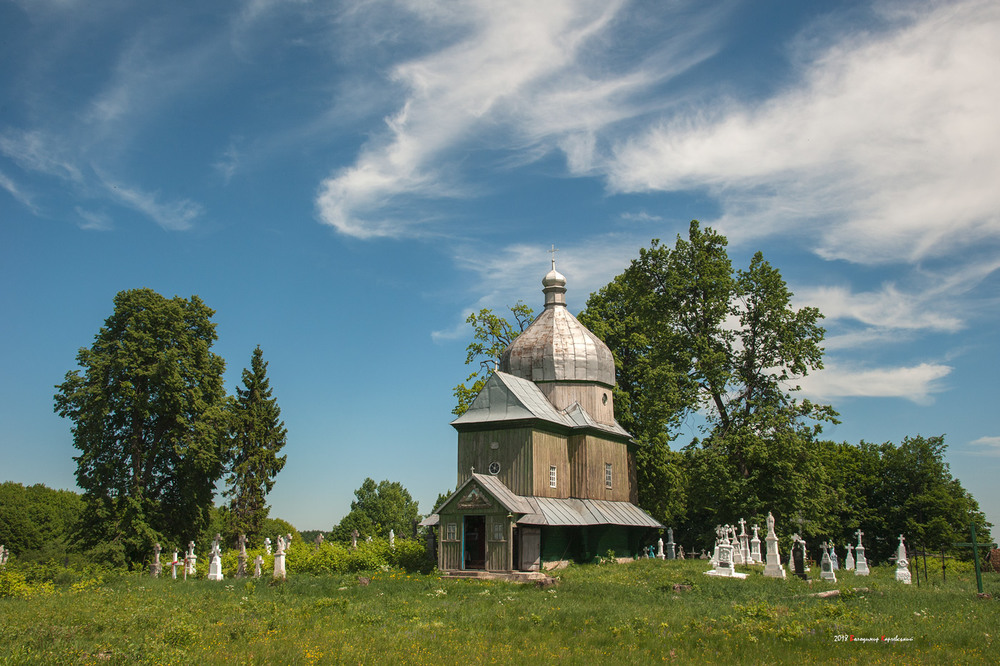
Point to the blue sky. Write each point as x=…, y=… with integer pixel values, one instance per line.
x=345, y=182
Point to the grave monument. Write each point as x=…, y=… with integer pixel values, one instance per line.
x=773, y=568
x=902, y=563
x=860, y=563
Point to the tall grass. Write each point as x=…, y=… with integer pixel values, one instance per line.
x=628, y=613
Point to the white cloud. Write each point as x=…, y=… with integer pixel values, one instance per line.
x=39, y=151
x=915, y=383
x=94, y=221
x=987, y=446
x=888, y=308
x=887, y=150
x=17, y=192
x=518, y=71
x=171, y=215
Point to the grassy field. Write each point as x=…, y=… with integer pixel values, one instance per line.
x=626, y=613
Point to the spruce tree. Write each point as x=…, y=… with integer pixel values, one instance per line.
x=258, y=435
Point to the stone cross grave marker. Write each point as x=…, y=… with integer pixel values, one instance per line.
x=902, y=563
x=860, y=563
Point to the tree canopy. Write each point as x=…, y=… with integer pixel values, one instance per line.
x=149, y=418
x=377, y=509
x=492, y=334
x=258, y=434
x=697, y=342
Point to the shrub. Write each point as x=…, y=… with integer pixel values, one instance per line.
x=412, y=556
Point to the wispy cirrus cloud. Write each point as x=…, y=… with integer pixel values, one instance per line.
x=885, y=151
x=17, y=192
x=515, y=77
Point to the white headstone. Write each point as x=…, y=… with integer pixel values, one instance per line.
x=902, y=563
x=849, y=560
x=279, y=559
x=725, y=567
x=755, y=555
x=826, y=565
x=215, y=564
x=773, y=567
x=860, y=563
x=191, y=559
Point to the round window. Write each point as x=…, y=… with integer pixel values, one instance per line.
x=494, y=468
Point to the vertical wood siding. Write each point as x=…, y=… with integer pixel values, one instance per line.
x=551, y=450
x=514, y=454
x=590, y=397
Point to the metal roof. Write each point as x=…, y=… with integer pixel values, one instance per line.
x=495, y=487
x=557, y=347
x=572, y=511
x=509, y=398
x=554, y=511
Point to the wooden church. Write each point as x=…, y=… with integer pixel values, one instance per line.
x=545, y=475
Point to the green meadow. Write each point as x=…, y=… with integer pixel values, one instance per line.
x=641, y=612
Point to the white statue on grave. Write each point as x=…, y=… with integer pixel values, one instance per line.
x=772, y=567
x=279, y=559
x=392, y=539
x=267, y=545
x=659, y=549
x=902, y=563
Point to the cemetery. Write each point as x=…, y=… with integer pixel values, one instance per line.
x=541, y=553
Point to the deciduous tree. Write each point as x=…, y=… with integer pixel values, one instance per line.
x=149, y=419
x=491, y=335
x=377, y=509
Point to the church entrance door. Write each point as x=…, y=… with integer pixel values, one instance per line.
x=531, y=548
x=474, y=542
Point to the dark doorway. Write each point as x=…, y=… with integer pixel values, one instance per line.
x=474, y=540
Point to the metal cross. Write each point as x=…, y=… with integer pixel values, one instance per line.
x=553, y=253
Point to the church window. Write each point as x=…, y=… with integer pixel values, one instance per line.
x=498, y=531
x=452, y=534
x=607, y=475
x=552, y=476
